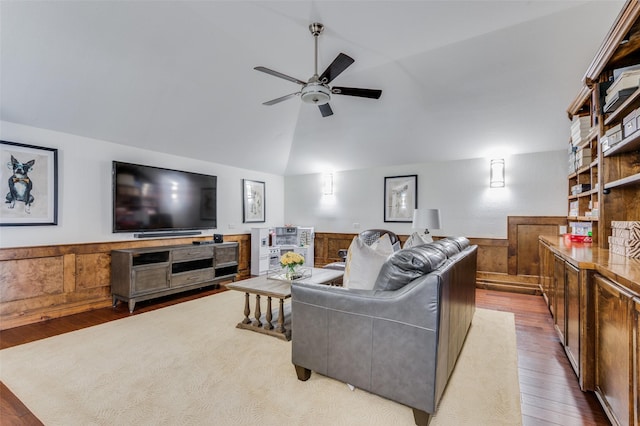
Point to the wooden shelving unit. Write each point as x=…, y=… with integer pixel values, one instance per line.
x=607, y=302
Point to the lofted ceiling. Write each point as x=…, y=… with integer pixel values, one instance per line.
x=459, y=79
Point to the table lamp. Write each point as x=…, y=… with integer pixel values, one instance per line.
x=426, y=219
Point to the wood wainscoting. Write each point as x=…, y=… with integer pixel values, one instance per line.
x=39, y=283
x=510, y=264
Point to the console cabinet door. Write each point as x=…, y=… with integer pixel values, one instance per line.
x=614, y=350
x=572, y=282
x=146, y=279
x=559, y=286
x=546, y=274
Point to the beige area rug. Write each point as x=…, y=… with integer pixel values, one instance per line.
x=187, y=364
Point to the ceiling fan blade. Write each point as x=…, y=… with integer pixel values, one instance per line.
x=353, y=91
x=325, y=110
x=280, y=99
x=279, y=74
x=339, y=64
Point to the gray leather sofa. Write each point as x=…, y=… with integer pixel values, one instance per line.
x=400, y=340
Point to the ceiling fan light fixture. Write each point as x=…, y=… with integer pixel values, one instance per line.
x=315, y=94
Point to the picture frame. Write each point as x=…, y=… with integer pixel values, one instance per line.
x=400, y=198
x=28, y=184
x=253, y=201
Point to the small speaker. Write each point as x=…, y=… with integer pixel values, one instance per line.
x=217, y=238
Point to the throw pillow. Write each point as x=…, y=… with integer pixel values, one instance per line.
x=364, y=262
x=406, y=265
x=414, y=240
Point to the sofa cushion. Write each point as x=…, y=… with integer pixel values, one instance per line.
x=364, y=261
x=408, y=264
x=461, y=242
x=447, y=246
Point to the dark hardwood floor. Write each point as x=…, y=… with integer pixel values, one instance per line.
x=549, y=389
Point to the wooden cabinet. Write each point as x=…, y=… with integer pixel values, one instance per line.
x=615, y=350
x=568, y=293
x=597, y=314
x=146, y=273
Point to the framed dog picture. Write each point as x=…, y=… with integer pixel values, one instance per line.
x=252, y=201
x=400, y=198
x=29, y=183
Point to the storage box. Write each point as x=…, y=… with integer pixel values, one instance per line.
x=630, y=123
x=626, y=80
x=573, y=208
x=611, y=137
x=580, y=228
x=617, y=99
x=580, y=188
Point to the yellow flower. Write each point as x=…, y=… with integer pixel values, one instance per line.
x=291, y=258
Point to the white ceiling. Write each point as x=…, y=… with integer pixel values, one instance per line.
x=459, y=78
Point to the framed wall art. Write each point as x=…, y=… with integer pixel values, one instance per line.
x=253, y=200
x=28, y=184
x=400, y=198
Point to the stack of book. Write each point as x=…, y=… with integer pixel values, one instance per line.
x=625, y=238
x=580, y=128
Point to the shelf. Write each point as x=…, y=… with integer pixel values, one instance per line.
x=623, y=109
x=629, y=180
x=631, y=143
x=582, y=170
x=583, y=218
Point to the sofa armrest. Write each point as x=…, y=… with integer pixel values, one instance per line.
x=380, y=341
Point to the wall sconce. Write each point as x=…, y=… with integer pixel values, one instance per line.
x=496, y=177
x=327, y=184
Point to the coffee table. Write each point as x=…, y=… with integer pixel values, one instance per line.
x=281, y=290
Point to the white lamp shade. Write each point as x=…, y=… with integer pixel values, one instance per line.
x=426, y=219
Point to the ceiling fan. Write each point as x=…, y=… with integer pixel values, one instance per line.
x=317, y=90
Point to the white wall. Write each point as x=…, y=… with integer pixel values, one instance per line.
x=535, y=186
x=84, y=188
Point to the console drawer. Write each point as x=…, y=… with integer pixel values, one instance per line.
x=192, y=277
x=191, y=253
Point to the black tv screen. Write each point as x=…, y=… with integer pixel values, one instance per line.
x=149, y=198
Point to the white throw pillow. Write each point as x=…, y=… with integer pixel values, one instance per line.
x=416, y=239
x=364, y=262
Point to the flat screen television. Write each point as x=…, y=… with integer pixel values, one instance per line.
x=152, y=199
